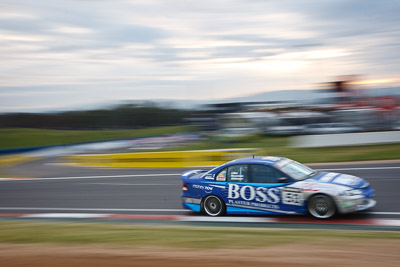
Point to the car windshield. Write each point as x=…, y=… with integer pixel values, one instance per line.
x=294, y=169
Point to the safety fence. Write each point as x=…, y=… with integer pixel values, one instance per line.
x=346, y=139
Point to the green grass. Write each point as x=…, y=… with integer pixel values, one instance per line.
x=19, y=138
x=279, y=146
x=179, y=237
x=266, y=145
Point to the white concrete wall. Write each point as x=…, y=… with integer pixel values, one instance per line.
x=345, y=139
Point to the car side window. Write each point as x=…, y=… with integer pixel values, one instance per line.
x=265, y=174
x=238, y=173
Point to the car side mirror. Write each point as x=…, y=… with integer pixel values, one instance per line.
x=283, y=180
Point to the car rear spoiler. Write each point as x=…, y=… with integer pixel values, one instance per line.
x=188, y=174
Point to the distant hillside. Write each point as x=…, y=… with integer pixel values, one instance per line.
x=301, y=96
x=282, y=95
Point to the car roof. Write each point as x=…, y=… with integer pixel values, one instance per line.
x=267, y=160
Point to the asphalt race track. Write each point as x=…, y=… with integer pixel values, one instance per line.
x=46, y=186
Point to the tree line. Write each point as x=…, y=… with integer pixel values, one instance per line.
x=129, y=116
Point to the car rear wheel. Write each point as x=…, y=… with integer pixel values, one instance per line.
x=321, y=207
x=213, y=206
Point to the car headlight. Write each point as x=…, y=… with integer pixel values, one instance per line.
x=353, y=192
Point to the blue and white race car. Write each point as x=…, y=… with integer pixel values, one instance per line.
x=273, y=185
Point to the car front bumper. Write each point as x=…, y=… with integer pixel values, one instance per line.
x=352, y=205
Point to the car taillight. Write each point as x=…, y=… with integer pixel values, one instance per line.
x=184, y=187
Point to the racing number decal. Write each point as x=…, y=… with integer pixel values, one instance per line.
x=292, y=198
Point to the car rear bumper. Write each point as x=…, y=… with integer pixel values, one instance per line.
x=193, y=204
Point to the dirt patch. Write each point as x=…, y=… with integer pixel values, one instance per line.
x=369, y=253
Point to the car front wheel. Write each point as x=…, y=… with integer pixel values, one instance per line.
x=213, y=206
x=321, y=207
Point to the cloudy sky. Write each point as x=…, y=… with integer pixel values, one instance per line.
x=75, y=53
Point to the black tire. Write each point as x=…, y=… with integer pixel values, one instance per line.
x=213, y=206
x=321, y=206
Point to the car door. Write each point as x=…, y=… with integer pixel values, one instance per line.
x=269, y=184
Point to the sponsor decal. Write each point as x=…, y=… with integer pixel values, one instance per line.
x=219, y=186
x=250, y=193
x=235, y=176
x=209, y=177
x=206, y=188
x=221, y=177
x=310, y=187
x=241, y=203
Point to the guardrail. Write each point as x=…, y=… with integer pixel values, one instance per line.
x=169, y=159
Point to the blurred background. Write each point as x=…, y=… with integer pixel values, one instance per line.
x=153, y=75
x=270, y=127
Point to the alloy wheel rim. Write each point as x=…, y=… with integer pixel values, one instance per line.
x=322, y=207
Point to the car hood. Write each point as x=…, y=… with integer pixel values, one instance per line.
x=339, y=179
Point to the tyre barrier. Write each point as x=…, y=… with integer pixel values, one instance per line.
x=169, y=159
